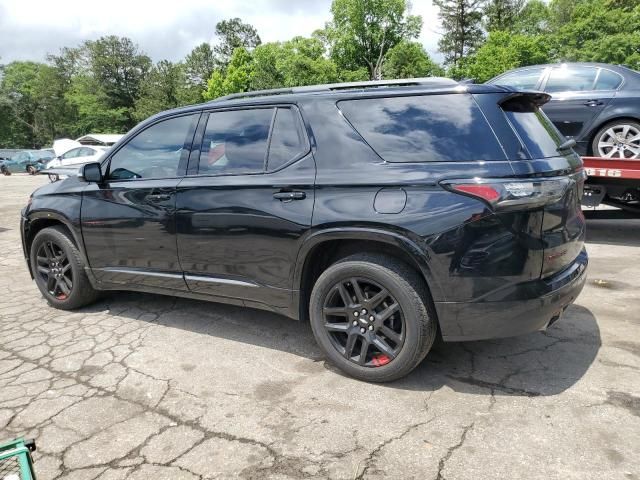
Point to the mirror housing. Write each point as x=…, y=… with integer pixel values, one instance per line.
x=91, y=172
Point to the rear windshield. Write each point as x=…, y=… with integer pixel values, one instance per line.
x=538, y=135
x=424, y=128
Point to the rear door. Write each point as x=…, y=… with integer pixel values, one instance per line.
x=128, y=222
x=578, y=96
x=250, y=199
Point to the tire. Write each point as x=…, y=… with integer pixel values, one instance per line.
x=416, y=317
x=618, y=135
x=53, y=177
x=31, y=170
x=54, y=246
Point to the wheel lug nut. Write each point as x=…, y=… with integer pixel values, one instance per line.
x=364, y=312
x=371, y=318
x=355, y=314
x=362, y=330
x=370, y=327
x=355, y=323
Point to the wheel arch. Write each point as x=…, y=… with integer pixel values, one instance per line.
x=323, y=248
x=39, y=220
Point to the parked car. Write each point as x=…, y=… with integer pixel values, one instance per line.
x=30, y=161
x=378, y=211
x=77, y=156
x=595, y=103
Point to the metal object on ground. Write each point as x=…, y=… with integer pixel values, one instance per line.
x=15, y=460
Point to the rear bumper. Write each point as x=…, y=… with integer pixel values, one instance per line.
x=525, y=307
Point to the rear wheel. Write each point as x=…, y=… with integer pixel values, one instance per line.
x=618, y=139
x=370, y=315
x=58, y=270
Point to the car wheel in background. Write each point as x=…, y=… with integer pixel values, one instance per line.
x=370, y=315
x=618, y=139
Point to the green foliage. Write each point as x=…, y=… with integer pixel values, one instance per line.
x=501, y=52
x=502, y=14
x=362, y=32
x=233, y=34
x=409, y=60
x=107, y=85
x=462, y=25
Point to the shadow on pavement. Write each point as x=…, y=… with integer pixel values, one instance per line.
x=541, y=363
x=612, y=227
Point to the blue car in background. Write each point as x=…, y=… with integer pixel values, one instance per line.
x=30, y=161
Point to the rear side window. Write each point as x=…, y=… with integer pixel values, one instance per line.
x=287, y=139
x=608, y=80
x=539, y=136
x=424, y=128
x=235, y=142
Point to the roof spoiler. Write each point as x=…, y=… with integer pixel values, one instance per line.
x=538, y=98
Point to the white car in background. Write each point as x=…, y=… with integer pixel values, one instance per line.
x=78, y=156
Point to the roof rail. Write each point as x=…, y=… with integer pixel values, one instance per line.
x=403, y=82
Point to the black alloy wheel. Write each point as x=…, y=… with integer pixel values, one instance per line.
x=372, y=316
x=54, y=268
x=364, y=322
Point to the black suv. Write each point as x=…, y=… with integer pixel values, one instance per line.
x=379, y=211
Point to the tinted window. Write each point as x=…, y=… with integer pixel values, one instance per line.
x=537, y=133
x=153, y=153
x=287, y=138
x=522, y=79
x=235, y=141
x=571, y=79
x=425, y=128
x=608, y=80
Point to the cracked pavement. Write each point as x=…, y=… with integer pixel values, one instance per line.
x=149, y=387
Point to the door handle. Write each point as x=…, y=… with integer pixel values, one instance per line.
x=288, y=196
x=593, y=103
x=158, y=197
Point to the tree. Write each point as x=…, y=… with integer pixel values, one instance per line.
x=533, y=19
x=501, y=52
x=601, y=31
x=233, y=34
x=236, y=78
x=199, y=65
x=502, y=14
x=462, y=24
x=118, y=68
x=161, y=90
x=409, y=60
x=362, y=32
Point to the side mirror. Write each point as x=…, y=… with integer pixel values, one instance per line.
x=91, y=172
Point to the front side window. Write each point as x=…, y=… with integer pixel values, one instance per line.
x=522, y=79
x=73, y=153
x=424, y=128
x=571, y=79
x=154, y=152
x=235, y=142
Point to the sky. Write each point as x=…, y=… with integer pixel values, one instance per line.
x=30, y=29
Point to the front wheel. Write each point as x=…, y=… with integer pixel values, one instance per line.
x=370, y=315
x=58, y=270
x=618, y=139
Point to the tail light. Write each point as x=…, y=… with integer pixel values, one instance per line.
x=505, y=194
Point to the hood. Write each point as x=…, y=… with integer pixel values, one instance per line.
x=63, y=145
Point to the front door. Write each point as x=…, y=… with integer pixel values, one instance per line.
x=241, y=216
x=128, y=222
